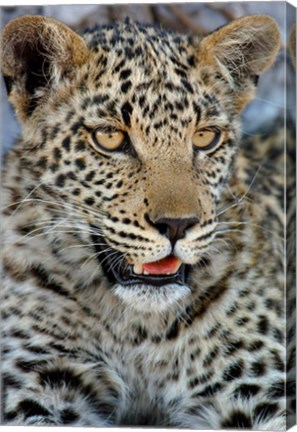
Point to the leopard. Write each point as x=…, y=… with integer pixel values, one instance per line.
x=143, y=237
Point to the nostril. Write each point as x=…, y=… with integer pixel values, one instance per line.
x=172, y=228
x=162, y=228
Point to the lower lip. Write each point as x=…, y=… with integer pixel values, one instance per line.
x=153, y=280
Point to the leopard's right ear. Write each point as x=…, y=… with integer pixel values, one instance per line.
x=36, y=54
x=241, y=51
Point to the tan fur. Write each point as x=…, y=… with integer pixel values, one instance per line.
x=248, y=45
x=255, y=39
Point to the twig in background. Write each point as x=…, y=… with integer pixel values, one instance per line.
x=230, y=16
x=186, y=20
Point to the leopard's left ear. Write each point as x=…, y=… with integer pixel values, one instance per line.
x=37, y=53
x=242, y=50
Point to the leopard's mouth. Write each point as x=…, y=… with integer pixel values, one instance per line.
x=169, y=270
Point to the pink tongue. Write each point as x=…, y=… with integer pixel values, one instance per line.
x=169, y=264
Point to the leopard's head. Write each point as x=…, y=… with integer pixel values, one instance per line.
x=133, y=131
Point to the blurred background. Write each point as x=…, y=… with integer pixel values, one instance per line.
x=193, y=18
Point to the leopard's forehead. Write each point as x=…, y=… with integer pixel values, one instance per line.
x=144, y=78
x=142, y=44
x=141, y=58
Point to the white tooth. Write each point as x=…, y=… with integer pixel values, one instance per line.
x=146, y=272
x=137, y=268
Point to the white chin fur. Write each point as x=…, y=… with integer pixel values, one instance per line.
x=144, y=298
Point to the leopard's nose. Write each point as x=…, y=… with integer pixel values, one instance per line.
x=173, y=229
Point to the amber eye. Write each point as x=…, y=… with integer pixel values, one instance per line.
x=108, y=141
x=205, y=139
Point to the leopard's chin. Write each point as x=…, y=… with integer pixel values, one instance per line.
x=144, y=298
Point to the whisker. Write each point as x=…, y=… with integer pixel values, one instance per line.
x=95, y=255
x=116, y=262
x=250, y=224
x=20, y=202
x=109, y=256
x=239, y=200
x=88, y=245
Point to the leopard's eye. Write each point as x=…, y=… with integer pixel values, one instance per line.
x=205, y=139
x=108, y=141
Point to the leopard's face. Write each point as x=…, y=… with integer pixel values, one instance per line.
x=138, y=144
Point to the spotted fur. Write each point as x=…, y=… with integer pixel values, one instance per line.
x=81, y=349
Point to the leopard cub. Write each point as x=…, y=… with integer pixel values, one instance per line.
x=142, y=247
